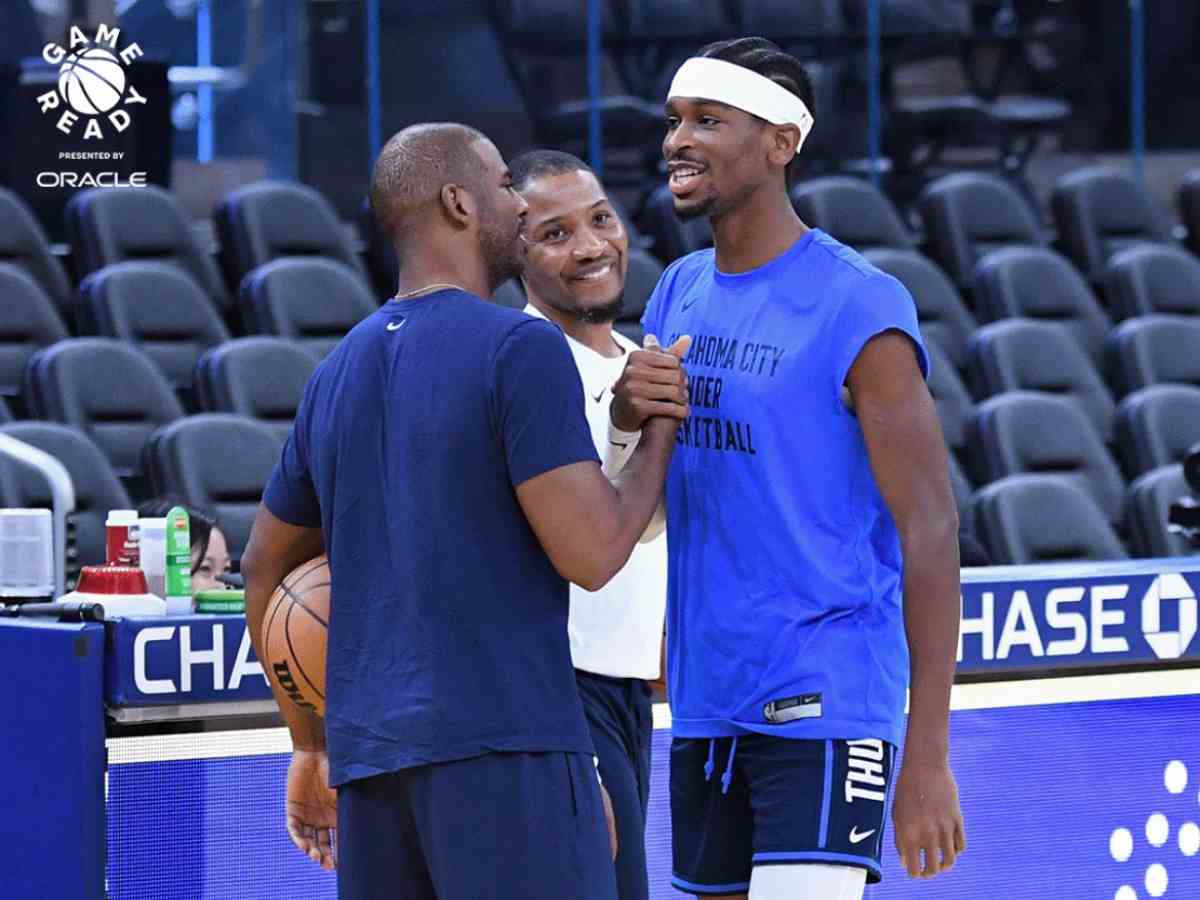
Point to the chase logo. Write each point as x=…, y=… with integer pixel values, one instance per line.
x=1169, y=588
x=1141, y=617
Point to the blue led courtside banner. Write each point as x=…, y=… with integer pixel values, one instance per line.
x=1071, y=800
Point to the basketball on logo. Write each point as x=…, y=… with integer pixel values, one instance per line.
x=92, y=82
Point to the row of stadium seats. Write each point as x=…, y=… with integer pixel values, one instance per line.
x=116, y=395
x=221, y=462
x=1049, y=331
x=216, y=462
x=256, y=224
x=1023, y=435
x=966, y=215
x=113, y=230
x=157, y=308
x=1097, y=212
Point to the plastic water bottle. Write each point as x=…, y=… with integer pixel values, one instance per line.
x=152, y=549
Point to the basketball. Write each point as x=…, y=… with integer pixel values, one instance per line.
x=92, y=82
x=294, y=634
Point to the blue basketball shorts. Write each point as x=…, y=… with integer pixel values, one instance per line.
x=759, y=800
x=525, y=826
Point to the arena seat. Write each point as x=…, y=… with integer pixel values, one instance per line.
x=1152, y=278
x=97, y=488
x=1156, y=426
x=312, y=301
x=1155, y=350
x=474, y=83
x=1099, y=211
x=159, y=310
x=217, y=462
x=671, y=237
x=267, y=220
x=1036, y=283
x=670, y=31
x=820, y=18
x=951, y=397
x=127, y=224
x=644, y=272
x=1025, y=519
x=28, y=321
x=110, y=391
x=852, y=211
x=1149, y=504
x=23, y=243
x=1030, y=433
x=944, y=319
x=1023, y=355
x=1189, y=206
x=260, y=378
x=969, y=214
x=547, y=45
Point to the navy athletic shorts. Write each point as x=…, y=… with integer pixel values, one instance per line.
x=621, y=720
x=526, y=826
x=760, y=800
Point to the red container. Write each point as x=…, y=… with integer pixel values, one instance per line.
x=122, y=538
x=128, y=581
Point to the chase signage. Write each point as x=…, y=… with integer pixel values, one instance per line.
x=1072, y=622
x=156, y=661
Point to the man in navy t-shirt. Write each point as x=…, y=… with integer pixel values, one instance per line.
x=442, y=460
x=812, y=561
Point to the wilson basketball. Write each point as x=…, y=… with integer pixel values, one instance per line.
x=295, y=631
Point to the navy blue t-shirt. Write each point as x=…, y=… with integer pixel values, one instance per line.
x=448, y=629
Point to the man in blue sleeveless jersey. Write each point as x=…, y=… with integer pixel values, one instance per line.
x=442, y=460
x=813, y=532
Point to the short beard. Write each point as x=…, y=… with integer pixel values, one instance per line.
x=501, y=249
x=598, y=315
x=702, y=210
x=501, y=256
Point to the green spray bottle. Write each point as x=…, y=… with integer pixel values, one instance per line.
x=179, y=563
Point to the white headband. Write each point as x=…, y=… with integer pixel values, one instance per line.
x=733, y=85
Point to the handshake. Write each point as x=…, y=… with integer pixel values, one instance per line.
x=653, y=384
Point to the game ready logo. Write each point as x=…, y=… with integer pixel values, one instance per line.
x=94, y=97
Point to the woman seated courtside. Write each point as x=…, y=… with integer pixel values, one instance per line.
x=210, y=550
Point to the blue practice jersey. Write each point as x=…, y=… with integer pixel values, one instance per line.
x=448, y=630
x=784, y=587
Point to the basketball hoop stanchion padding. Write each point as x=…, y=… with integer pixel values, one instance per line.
x=52, y=756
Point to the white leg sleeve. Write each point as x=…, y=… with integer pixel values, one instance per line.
x=807, y=881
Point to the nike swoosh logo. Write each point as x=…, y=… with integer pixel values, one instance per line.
x=599, y=396
x=691, y=302
x=394, y=326
x=856, y=838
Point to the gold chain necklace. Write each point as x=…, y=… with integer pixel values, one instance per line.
x=429, y=289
